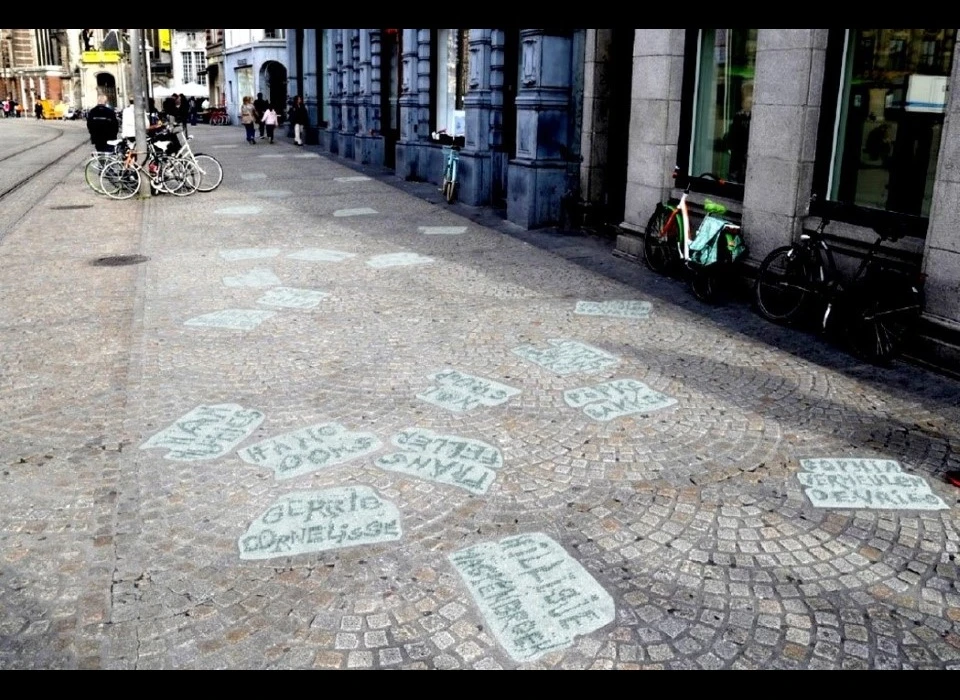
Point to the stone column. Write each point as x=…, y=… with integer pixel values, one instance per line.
x=474, y=171
x=941, y=253
x=311, y=91
x=538, y=176
x=348, y=105
x=334, y=87
x=407, y=150
x=783, y=135
x=654, y=130
x=369, y=139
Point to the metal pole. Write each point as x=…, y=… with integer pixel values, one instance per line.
x=139, y=102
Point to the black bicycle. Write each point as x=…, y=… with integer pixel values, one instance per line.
x=875, y=310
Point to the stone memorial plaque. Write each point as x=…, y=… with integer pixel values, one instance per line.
x=362, y=211
x=443, y=230
x=254, y=278
x=239, y=210
x=270, y=155
x=617, y=398
x=309, y=449
x=206, y=432
x=534, y=596
x=236, y=319
x=319, y=254
x=446, y=459
x=458, y=391
x=396, y=259
x=567, y=357
x=315, y=521
x=620, y=308
x=292, y=298
x=353, y=178
x=249, y=253
x=877, y=484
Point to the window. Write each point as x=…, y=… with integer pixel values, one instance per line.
x=722, y=103
x=887, y=101
x=450, y=66
x=200, y=61
x=273, y=34
x=189, y=72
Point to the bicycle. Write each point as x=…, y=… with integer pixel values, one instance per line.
x=451, y=158
x=94, y=166
x=876, y=308
x=211, y=171
x=706, y=258
x=122, y=176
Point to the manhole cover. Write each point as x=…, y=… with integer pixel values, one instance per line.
x=73, y=206
x=114, y=260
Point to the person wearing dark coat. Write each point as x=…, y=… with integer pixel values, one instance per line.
x=103, y=125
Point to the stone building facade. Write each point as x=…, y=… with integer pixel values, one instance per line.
x=782, y=126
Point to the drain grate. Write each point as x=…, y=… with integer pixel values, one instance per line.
x=73, y=206
x=115, y=260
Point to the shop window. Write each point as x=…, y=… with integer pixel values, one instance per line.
x=721, y=87
x=450, y=65
x=882, y=119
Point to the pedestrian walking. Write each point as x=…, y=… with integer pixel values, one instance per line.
x=7, y=107
x=193, y=111
x=38, y=110
x=299, y=118
x=102, y=123
x=183, y=115
x=270, y=120
x=248, y=118
x=261, y=106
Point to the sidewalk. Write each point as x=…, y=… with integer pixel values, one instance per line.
x=332, y=422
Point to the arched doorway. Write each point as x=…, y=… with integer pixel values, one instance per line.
x=273, y=83
x=107, y=85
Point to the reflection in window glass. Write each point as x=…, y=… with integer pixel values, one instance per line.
x=724, y=100
x=892, y=102
x=452, y=57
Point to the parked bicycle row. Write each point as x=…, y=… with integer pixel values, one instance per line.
x=874, y=310
x=169, y=165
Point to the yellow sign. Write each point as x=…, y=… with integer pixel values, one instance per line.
x=164, y=39
x=100, y=57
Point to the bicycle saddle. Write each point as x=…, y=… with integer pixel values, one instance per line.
x=712, y=207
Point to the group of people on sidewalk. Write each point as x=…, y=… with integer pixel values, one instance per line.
x=10, y=108
x=259, y=115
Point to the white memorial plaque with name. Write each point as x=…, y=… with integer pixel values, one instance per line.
x=315, y=521
x=206, y=432
x=567, y=357
x=628, y=308
x=362, y=211
x=249, y=253
x=877, y=484
x=309, y=449
x=457, y=391
x=534, y=596
x=292, y=298
x=259, y=277
x=443, y=230
x=353, y=178
x=617, y=398
x=446, y=459
x=397, y=259
x=321, y=255
x=239, y=210
x=236, y=319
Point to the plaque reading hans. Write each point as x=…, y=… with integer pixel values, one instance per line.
x=534, y=596
x=309, y=449
x=206, y=432
x=447, y=459
x=458, y=391
x=877, y=484
x=567, y=357
x=314, y=521
x=620, y=397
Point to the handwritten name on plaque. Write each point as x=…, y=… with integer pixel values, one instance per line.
x=314, y=521
x=458, y=391
x=534, y=596
x=620, y=397
x=309, y=449
x=567, y=357
x=206, y=432
x=877, y=484
x=446, y=459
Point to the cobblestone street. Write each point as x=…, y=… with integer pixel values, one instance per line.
x=333, y=422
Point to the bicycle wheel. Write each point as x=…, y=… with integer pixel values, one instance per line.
x=660, y=252
x=186, y=175
x=211, y=172
x=449, y=191
x=783, y=283
x=705, y=283
x=92, y=169
x=885, y=318
x=119, y=181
